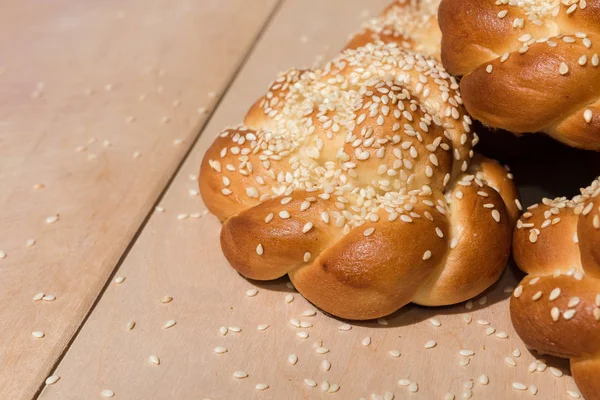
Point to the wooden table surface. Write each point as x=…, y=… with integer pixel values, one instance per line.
x=101, y=106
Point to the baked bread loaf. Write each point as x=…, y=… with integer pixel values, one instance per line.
x=527, y=66
x=556, y=308
x=360, y=182
x=412, y=24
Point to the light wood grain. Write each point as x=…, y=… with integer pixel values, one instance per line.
x=182, y=259
x=116, y=79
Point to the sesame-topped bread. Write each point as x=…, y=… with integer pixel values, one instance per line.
x=412, y=24
x=527, y=65
x=556, y=308
x=359, y=181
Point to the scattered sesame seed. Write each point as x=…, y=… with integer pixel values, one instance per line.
x=532, y=390
x=519, y=386
x=430, y=344
x=502, y=335
x=345, y=327
x=518, y=291
x=288, y=298
x=293, y=359
x=394, y=353
x=484, y=380
x=130, y=325
x=49, y=297
x=556, y=372
x=366, y=341
x=310, y=382
x=489, y=331
x=52, y=379
x=435, y=322
x=235, y=329
x=588, y=115
x=413, y=387
x=251, y=292
x=262, y=327
x=333, y=388
x=261, y=386
x=510, y=361
x=302, y=334
x=38, y=296
x=220, y=350
x=563, y=69
x=119, y=279
x=171, y=323
x=156, y=361
x=30, y=243
x=537, y=296
x=107, y=393
x=52, y=219
x=574, y=394
x=240, y=375
x=223, y=330
x=569, y=314
x=369, y=231
x=322, y=350
x=38, y=334
x=166, y=299
x=489, y=68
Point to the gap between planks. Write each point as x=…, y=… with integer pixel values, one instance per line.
x=193, y=142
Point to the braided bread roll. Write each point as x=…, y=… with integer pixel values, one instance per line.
x=359, y=181
x=527, y=66
x=556, y=308
x=412, y=24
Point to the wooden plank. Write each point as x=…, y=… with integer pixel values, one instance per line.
x=121, y=81
x=182, y=259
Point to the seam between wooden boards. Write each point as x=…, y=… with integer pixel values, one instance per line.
x=200, y=129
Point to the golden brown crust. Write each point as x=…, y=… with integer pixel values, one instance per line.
x=359, y=181
x=556, y=308
x=412, y=24
x=526, y=77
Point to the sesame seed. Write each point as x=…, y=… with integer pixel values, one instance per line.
x=449, y=396
x=569, y=314
x=489, y=68
x=251, y=292
x=310, y=382
x=159, y=209
x=186, y=216
x=556, y=372
x=555, y=314
x=484, y=380
x=130, y=325
x=288, y=298
x=240, y=375
x=369, y=231
x=489, y=331
x=166, y=299
x=563, y=69
x=463, y=362
x=223, y=330
x=519, y=386
x=307, y=257
x=537, y=296
x=29, y=242
x=496, y=215
x=52, y=379
x=119, y=279
x=38, y=296
x=516, y=353
x=502, y=335
x=469, y=305
x=293, y=359
x=38, y=334
x=309, y=313
x=467, y=319
x=483, y=322
x=52, y=219
x=344, y=327
x=107, y=393
x=307, y=227
x=534, y=280
x=404, y=382
x=518, y=291
x=574, y=394
x=366, y=341
x=302, y=334
x=49, y=297
x=554, y=294
x=467, y=394
x=171, y=323
x=262, y=327
x=413, y=387
x=322, y=350
x=261, y=386
x=259, y=249
x=502, y=13
x=155, y=360
x=284, y=214
x=394, y=353
x=305, y=324
x=510, y=361
x=573, y=302
x=588, y=115
x=427, y=255
x=435, y=322
x=533, y=236
x=333, y=388
x=430, y=344
x=466, y=353
x=532, y=390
